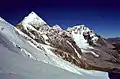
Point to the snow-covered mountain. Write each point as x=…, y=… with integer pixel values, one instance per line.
x=33, y=49
x=78, y=45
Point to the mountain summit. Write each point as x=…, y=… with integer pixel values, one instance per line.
x=32, y=22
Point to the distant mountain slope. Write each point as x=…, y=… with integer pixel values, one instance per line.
x=116, y=38
x=115, y=42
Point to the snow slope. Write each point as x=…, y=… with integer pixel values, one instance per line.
x=14, y=66
x=20, y=56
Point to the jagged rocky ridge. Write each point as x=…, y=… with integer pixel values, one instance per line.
x=78, y=44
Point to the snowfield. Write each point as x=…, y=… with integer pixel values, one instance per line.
x=15, y=66
x=21, y=59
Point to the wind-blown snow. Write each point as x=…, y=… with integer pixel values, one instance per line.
x=25, y=66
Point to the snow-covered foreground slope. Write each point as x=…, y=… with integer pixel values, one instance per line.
x=22, y=59
x=15, y=66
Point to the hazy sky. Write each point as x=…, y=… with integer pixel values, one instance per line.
x=103, y=16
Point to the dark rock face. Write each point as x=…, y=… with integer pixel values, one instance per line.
x=114, y=75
